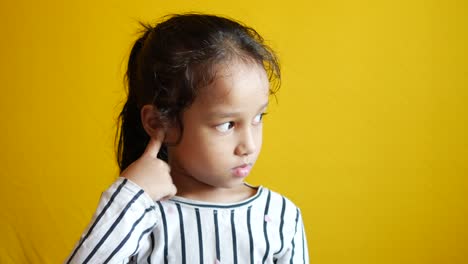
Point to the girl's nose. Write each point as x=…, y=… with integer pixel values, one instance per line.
x=246, y=144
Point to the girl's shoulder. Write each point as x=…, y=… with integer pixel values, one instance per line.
x=276, y=197
x=281, y=206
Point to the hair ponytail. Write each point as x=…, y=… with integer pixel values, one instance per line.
x=131, y=136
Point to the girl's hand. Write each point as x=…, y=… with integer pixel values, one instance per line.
x=151, y=173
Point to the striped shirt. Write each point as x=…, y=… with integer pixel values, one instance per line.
x=128, y=227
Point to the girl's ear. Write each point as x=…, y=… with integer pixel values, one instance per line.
x=150, y=119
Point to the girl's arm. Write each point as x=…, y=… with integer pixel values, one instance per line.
x=297, y=251
x=126, y=213
x=125, y=216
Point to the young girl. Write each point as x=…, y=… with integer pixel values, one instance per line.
x=192, y=127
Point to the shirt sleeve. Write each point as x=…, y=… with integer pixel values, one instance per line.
x=297, y=250
x=125, y=216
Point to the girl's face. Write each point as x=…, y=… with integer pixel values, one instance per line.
x=222, y=131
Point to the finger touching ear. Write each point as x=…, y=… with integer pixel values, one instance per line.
x=154, y=144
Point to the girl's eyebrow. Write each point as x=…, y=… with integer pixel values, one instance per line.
x=236, y=113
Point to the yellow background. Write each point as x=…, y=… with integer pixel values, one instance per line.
x=369, y=136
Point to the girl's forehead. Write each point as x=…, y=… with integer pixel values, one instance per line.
x=237, y=82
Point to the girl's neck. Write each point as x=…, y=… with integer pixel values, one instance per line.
x=190, y=188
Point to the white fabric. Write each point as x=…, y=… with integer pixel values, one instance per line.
x=128, y=227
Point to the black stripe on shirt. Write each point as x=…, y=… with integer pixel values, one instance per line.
x=215, y=216
x=152, y=247
x=249, y=228
x=200, y=236
x=104, y=210
x=182, y=232
x=293, y=245
x=283, y=207
x=234, y=239
x=265, y=232
x=119, y=218
x=163, y=216
x=141, y=236
x=129, y=234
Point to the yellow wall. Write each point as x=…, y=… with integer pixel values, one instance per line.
x=369, y=137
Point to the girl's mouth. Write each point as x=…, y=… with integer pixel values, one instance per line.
x=242, y=171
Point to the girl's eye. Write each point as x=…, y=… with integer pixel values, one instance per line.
x=225, y=127
x=258, y=118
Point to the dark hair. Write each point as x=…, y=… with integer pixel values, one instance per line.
x=171, y=61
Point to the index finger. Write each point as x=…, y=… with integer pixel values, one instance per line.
x=155, y=143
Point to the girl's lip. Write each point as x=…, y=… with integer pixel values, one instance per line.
x=242, y=170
